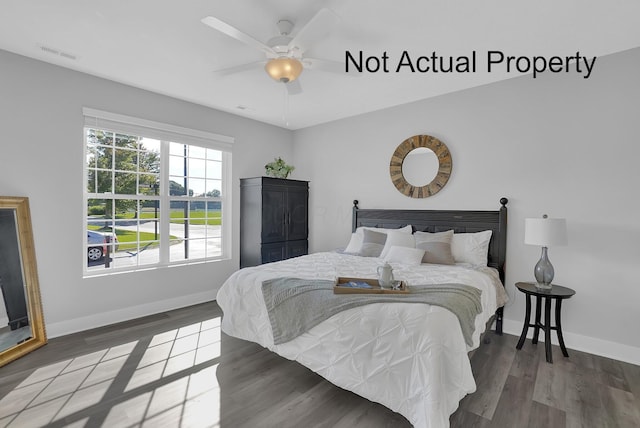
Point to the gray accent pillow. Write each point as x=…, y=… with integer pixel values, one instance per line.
x=437, y=247
x=372, y=243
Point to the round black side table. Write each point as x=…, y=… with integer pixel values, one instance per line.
x=557, y=293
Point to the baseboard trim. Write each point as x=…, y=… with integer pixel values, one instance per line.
x=76, y=325
x=592, y=345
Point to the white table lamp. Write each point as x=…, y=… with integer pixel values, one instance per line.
x=545, y=232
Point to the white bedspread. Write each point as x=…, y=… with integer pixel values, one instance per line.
x=411, y=358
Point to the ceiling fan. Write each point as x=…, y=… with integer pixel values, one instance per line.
x=285, y=58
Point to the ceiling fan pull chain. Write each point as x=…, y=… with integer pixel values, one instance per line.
x=285, y=108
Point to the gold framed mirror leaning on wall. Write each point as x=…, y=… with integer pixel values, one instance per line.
x=420, y=166
x=21, y=320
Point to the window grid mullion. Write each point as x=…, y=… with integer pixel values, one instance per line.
x=165, y=208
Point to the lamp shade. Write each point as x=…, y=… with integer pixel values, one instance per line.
x=284, y=69
x=545, y=232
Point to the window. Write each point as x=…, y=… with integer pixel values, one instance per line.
x=155, y=194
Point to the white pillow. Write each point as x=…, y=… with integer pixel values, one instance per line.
x=471, y=248
x=406, y=255
x=372, y=243
x=355, y=243
x=398, y=239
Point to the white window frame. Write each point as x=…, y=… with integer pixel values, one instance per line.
x=114, y=122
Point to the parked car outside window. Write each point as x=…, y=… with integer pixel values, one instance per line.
x=97, y=244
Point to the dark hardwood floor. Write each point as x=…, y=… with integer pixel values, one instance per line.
x=176, y=369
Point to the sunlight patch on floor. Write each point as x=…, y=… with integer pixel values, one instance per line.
x=59, y=389
x=179, y=396
x=187, y=402
x=176, y=350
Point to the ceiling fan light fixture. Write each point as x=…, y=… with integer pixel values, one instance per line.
x=284, y=69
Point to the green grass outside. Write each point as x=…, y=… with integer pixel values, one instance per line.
x=128, y=239
x=177, y=216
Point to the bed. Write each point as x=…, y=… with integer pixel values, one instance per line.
x=412, y=358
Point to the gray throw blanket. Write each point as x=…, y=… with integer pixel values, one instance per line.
x=296, y=305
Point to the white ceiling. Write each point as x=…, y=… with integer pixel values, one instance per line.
x=162, y=46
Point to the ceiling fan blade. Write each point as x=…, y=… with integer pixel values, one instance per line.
x=294, y=88
x=233, y=32
x=317, y=27
x=239, y=68
x=324, y=65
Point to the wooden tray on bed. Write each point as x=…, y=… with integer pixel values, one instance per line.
x=341, y=288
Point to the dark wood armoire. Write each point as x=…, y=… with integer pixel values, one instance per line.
x=274, y=222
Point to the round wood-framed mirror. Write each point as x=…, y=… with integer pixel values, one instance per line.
x=418, y=143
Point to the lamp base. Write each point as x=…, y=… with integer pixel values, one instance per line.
x=543, y=271
x=542, y=286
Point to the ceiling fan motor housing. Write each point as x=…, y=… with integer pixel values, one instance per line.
x=280, y=44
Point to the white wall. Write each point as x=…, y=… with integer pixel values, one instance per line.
x=560, y=145
x=41, y=156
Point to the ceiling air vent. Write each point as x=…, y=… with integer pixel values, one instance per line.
x=68, y=56
x=53, y=51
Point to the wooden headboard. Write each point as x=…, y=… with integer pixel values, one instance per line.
x=442, y=220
